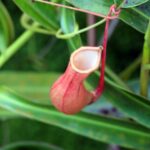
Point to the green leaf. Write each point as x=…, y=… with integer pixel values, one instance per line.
x=99, y=128
x=131, y=104
x=27, y=84
x=69, y=16
x=145, y=9
x=4, y=115
x=135, y=17
x=44, y=134
x=95, y=5
x=134, y=106
x=43, y=14
x=30, y=144
x=129, y=3
x=6, y=28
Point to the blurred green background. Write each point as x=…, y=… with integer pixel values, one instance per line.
x=45, y=53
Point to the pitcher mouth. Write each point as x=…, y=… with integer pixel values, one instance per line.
x=86, y=59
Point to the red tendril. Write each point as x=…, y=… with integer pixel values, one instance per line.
x=100, y=87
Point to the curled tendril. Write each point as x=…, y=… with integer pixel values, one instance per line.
x=27, y=22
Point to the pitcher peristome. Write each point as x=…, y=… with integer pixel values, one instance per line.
x=68, y=93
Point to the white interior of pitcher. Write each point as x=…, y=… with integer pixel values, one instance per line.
x=86, y=60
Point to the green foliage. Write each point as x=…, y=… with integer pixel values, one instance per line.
x=133, y=16
x=6, y=28
x=40, y=13
x=126, y=101
x=69, y=16
x=96, y=127
x=24, y=101
x=41, y=136
x=129, y=3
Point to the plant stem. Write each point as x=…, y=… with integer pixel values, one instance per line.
x=12, y=49
x=146, y=67
x=116, y=78
x=119, y=3
x=76, y=32
x=25, y=22
x=127, y=72
x=144, y=77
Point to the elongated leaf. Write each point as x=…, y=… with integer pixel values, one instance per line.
x=135, y=17
x=133, y=105
x=135, y=14
x=4, y=115
x=95, y=6
x=44, y=14
x=28, y=144
x=126, y=101
x=6, y=28
x=145, y=9
x=69, y=16
x=96, y=127
x=44, y=134
x=130, y=3
x=29, y=83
